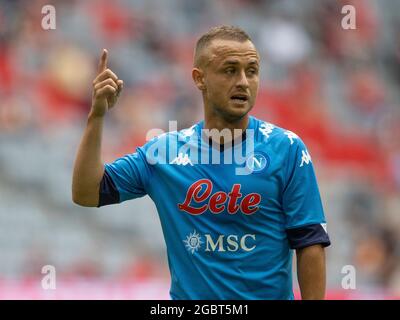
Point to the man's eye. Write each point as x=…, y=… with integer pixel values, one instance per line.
x=252, y=71
x=230, y=71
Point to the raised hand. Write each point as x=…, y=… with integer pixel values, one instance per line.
x=106, y=88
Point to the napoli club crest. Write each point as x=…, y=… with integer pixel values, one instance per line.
x=257, y=162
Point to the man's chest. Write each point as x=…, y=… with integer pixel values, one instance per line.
x=237, y=187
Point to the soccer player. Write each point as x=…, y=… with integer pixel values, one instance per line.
x=229, y=233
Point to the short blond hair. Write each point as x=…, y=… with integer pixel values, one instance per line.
x=223, y=32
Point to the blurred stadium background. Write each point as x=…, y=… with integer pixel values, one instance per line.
x=338, y=89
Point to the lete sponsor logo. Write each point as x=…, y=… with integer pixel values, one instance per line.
x=199, y=198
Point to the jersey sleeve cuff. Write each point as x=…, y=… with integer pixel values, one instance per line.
x=108, y=193
x=305, y=236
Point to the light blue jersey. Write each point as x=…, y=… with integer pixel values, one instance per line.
x=229, y=228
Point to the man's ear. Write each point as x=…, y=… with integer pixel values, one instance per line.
x=198, y=78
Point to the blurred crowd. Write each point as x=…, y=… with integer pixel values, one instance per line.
x=338, y=89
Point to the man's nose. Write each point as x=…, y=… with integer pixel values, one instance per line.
x=242, y=81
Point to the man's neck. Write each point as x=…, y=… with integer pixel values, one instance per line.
x=237, y=128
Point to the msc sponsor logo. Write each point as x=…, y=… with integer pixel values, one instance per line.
x=195, y=242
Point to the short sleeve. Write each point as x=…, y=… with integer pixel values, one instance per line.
x=305, y=219
x=124, y=179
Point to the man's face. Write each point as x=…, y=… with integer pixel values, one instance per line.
x=231, y=77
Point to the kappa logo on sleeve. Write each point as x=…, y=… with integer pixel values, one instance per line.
x=291, y=135
x=305, y=158
x=182, y=159
x=266, y=129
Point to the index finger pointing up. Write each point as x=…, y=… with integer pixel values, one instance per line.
x=103, y=61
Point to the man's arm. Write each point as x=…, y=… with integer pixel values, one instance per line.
x=88, y=167
x=311, y=272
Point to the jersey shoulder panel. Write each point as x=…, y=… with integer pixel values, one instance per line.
x=159, y=149
x=181, y=135
x=270, y=134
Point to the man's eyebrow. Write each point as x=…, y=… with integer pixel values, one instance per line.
x=254, y=62
x=235, y=62
x=231, y=62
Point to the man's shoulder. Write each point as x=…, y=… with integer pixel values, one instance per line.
x=182, y=134
x=162, y=142
x=267, y=132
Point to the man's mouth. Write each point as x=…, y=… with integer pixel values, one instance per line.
x=239, y=98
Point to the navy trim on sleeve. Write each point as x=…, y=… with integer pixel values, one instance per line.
x=108, y=193
x=306, y=236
